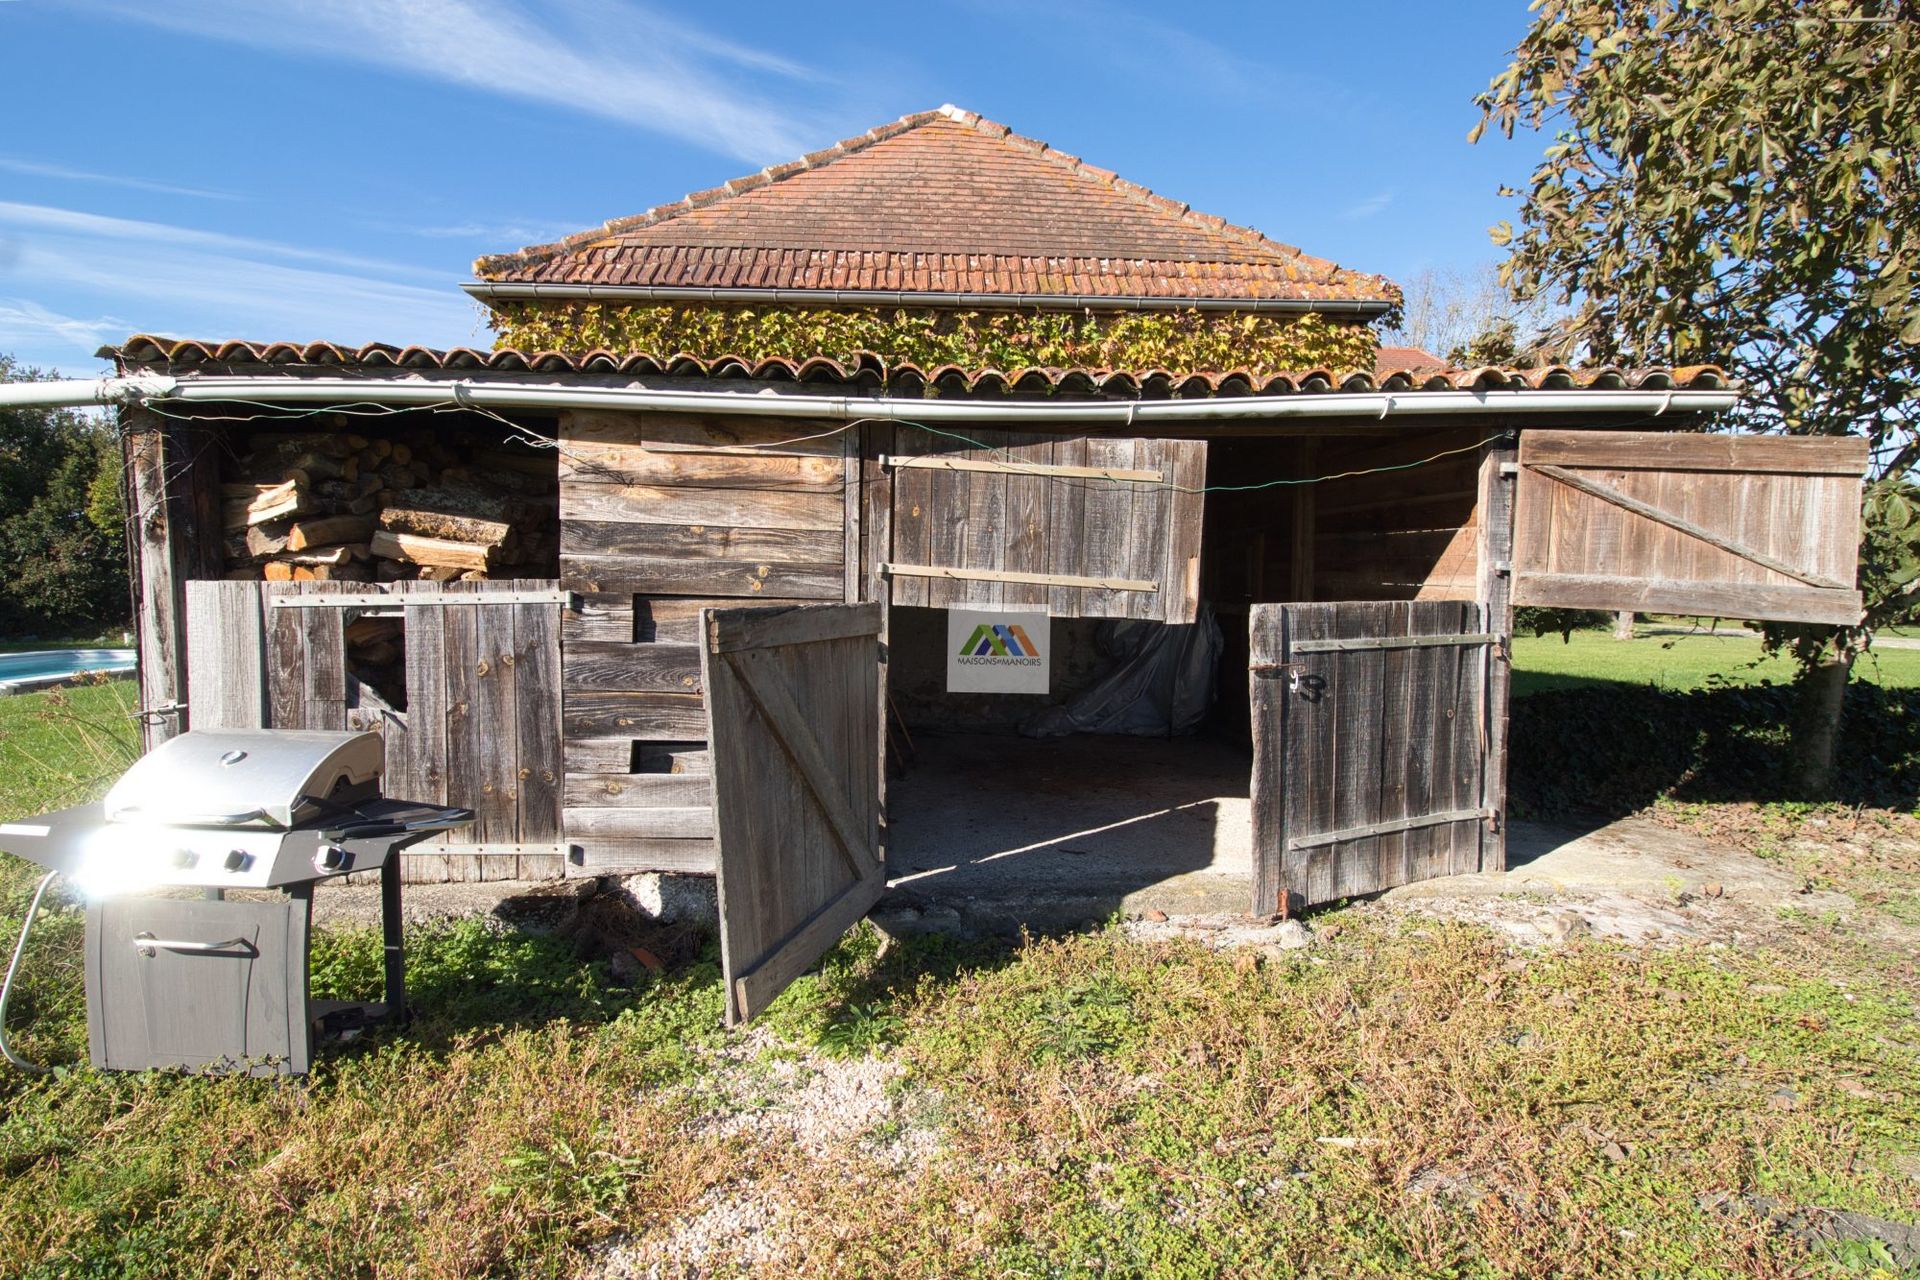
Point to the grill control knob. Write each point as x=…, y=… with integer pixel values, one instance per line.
x=330, y=858
x=184, y=858
x=237, y=860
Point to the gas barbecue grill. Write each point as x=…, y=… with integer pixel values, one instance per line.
x=217, y=981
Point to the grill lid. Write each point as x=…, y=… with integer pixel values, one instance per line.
x=255, y=777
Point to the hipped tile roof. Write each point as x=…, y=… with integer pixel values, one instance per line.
x=146, y=352
x=939, y=202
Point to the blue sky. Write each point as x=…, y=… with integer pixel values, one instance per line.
x=330, y=169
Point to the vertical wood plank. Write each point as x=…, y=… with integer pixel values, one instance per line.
x=1360, y=676
x=1108, y=528
x=536, y=634
x=467, y=748
x=912, y=503
x=1396, y=795
x=1186, y=517
x=1306, y=500
x=226, y=656
x=1025, y=541
x=322, y=633
x=425, y=744
x=286, y=661
x=946, y=529
x=878, y=490
x=984, y=544
x=1151, y=556
x=493, y=712
x=1496, y=602
x=851, y=497
x=1066, y=526
x=1272, y=784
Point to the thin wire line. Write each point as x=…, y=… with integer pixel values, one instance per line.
x=528, y=436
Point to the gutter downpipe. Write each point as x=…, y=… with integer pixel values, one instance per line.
x=1378, y=405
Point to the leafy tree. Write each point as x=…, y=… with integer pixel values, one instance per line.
x=63, y=564
x=1736, y=181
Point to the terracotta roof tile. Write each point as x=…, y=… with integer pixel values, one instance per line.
x=941, y=183
x=147, y=352
x=1405, y=360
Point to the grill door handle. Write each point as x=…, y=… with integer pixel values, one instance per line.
x=148, y=945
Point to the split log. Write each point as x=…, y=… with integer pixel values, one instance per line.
x=278, y=503
x=330, y=573
x=266, y=540
x=341, y=554
x=440, y=552
x=449, y=525
x=328, y=530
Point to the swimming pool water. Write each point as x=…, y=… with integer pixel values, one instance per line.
x=45, y=665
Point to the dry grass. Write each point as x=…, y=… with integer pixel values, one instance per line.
x=1095, y=1105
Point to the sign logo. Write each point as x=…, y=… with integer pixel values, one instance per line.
x=990, y=651
x=1000, y=641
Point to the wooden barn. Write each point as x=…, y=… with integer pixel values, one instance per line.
x=662, y=581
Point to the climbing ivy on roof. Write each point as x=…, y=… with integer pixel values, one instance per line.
x=1177, y=341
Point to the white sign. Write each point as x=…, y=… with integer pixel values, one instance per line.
x=993, y=651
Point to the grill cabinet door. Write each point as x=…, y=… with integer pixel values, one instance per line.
x=1370, y=731
x=1763, y=527
x=794, y=724
x=230, y=993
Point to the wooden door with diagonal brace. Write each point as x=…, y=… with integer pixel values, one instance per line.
x=793, y=719
x=1371, y=729
x=1718, y=525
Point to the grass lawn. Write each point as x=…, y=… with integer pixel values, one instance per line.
x=1676, y=662
x=1406, y=1097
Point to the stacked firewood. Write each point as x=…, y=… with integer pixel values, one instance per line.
x=421, y=504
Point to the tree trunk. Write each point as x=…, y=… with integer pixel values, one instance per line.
x=1623, y=625
x=1816, y=726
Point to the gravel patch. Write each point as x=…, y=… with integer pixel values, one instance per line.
x=765, y=1093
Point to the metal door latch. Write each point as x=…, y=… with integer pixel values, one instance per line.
x=1273, y=670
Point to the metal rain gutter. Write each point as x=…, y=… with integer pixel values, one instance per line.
x=488, y=291
x=72, y=393
x=483, y=394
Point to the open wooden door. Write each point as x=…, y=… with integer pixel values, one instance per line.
x=793, y=717
x=1371, y=733
x=1764, y=527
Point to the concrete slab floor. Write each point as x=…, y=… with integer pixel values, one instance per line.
x=1053, y=833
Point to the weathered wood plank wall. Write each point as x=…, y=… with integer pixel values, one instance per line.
x=1397, y=535
x=661, y=515
x=481, y=728
x=1046, y=522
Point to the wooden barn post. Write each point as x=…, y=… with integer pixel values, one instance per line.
x=1496, y=597
x=173, y=537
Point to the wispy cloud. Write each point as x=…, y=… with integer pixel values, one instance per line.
x=60, y=266
x=1372, y=206
x=500, y=234
x=48, y=218
x=601, y=57
x=39, y=169
x=25, y=323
